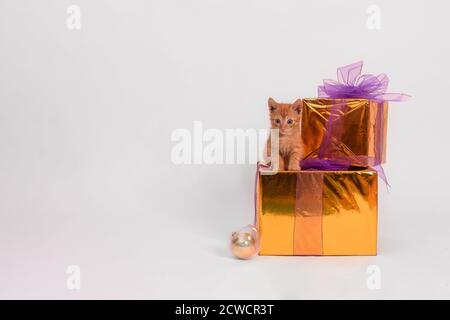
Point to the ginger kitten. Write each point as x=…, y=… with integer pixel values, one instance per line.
x=287, y=119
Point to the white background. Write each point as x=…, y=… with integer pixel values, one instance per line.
x=86, y=118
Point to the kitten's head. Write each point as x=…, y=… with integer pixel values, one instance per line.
x=285, y=116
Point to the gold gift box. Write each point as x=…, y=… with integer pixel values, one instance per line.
x=317, y=212
x=357, y=131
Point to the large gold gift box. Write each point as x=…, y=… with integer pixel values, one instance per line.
x=317, y=212
x=352, y=129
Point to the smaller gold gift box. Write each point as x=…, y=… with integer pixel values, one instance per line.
x=317, y=212
x=351, y=129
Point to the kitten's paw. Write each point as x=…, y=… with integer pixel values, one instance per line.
x=294, y=168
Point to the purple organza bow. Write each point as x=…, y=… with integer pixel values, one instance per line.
x=351, y=84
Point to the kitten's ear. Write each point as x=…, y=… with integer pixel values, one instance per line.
x=272, y=104
x=297, y=106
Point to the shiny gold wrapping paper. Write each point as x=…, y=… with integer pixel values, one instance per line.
x=318, y=212
x=358, y=130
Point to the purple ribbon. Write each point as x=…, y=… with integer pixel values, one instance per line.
x=351, y=84
x=259, y=165
x=325, y=164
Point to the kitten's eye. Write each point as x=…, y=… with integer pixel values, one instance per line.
x=290, y=121
x=277, y=121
